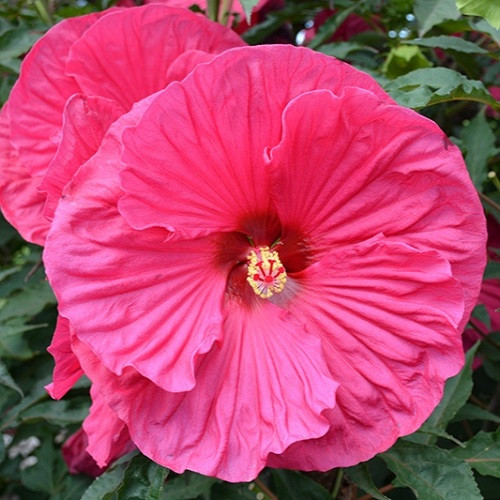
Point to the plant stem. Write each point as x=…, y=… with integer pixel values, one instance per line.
x=265, y=489
x=213, y=9
x=490, y=202
x=43, y=12
x=225, y=15
x=338, y=483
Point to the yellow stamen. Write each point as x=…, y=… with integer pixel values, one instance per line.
x=266, y=274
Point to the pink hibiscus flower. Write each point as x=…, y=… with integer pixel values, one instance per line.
x=267, y=263
x=82, y=75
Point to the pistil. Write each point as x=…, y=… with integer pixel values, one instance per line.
x=266, y=274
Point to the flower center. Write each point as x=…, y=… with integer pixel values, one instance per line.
x=266, y=274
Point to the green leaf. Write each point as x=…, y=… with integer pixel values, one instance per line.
x=425, y=429
x=257, y=33
x=40, y=477
x=133, y=476
x=479, y=142
x=7, y=381
x=473, y=412
x=481, y=313
x=428, y=86
x=492, y=270
x=248, y=6
x=492, y=370
x=456, y=392
x=228, y=491
x=2, y=450
x=189, y=485
x=292, y=485
x=488, y=9
x=487, y=28
x=432, y=12
x=7, y=232
x=482, y=453
x=12, y=343
x=105, y=485
x=341, y=50
x=7, y=272
x=403, y=59
x=61, y=413
x=13, y=44
x=432, y=473
x=361, y=476
x=330, y=26
x=20, y=280
x=27, y=302
x=448, y=43
x=143, y=480
x=38, y=392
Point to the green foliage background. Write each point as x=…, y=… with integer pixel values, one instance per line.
x=456, y=453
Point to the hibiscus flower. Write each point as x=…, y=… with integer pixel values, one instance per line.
x=82, y=75
x=267, y=263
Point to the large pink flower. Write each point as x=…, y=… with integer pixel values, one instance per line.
x=82, y=75
x=269, y=262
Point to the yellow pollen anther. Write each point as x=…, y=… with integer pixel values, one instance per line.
x=266, y=274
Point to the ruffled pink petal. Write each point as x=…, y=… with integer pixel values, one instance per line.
x=351, y=166
x=139, y=46
x=20, y=202
x=46, y=82
x=67, y=369
x=225, y=116
x=387, y=315
x=108, y=436
x=185, y=63
x=155, y=306
x=264, y=387
x=78, y=460
x=85, y=122
x=40, y=94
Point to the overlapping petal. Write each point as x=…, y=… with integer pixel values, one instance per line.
x=264, y=387
x=108, y=436
x=217, y=181
x=343, y=175
x=20, y=202
x=40, y=94
x=387, y=315
x=125, y=58
x=67, y=367
x=155, y=306
x=85, y=123
x=77, y=458
x=140, y=44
